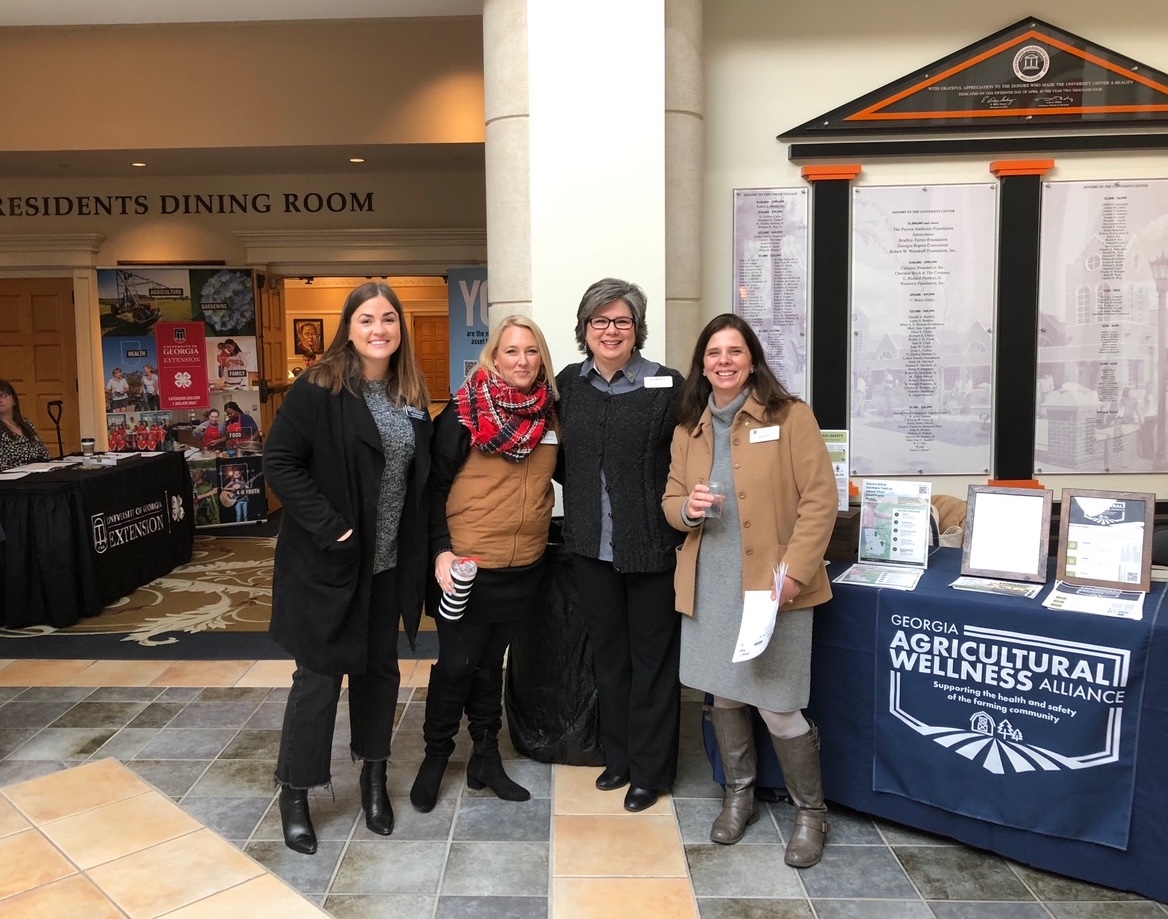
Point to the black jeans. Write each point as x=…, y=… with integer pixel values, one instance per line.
x=311, y=714
x=635, y=631
x=467, y=675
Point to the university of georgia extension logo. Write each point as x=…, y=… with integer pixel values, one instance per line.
x=100, y=535
x=963, y=707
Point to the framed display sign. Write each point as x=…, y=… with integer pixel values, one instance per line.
x=1007, y=533
x=1105, y=538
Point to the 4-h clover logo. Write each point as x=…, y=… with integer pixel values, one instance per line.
x=182, y=380
x=176, y=508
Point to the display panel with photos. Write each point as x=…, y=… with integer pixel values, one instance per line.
x=1105, y=538
x=1007, y=533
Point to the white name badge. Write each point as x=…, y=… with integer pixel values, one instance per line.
x=659, y=382
x=549, y=437
x=417, y=413
x=762, y=435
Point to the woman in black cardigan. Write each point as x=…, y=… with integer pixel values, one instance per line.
x=618, y=411
x=348, y=455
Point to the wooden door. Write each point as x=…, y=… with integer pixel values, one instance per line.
x=431, y=335
x=270, y=352
x=38, y=353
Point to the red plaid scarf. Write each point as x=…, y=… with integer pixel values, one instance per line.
x=501, y=418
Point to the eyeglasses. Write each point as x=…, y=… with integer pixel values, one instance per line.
x=600, y=323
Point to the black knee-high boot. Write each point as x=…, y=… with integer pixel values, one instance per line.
x=484, y=712
x=445, y=700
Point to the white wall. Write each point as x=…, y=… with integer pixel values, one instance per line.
x=771, y=66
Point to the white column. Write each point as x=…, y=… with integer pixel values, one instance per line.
x=576, y=158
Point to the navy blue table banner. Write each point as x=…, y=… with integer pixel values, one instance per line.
x=1028, y=721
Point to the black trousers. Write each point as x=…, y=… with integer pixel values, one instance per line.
x=311, y=714
x=635, y=631
x=468, y=675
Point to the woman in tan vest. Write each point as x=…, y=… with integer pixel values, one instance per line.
x=493, y=453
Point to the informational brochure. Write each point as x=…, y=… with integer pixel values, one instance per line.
x=759, y=615
x=1102, y=601
x=994, y=586
x=1105, y=539
x=894, y=577
x=837, y=451
x=894, y=522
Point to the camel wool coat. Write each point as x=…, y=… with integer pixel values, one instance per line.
x=786, y=493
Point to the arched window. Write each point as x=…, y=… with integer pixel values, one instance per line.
x=1083, y=305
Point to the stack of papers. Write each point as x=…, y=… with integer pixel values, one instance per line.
x=1102, y=601
x=897, y=578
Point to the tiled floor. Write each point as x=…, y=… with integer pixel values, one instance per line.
x=205, y=735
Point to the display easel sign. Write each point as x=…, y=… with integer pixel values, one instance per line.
x=894, y=534
x=1007, y=533
x=1105, y=539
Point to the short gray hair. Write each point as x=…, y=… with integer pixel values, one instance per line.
x=600, y=295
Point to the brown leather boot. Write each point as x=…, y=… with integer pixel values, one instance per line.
x=799, y=757
x=735, y=733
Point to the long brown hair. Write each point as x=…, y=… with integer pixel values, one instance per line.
x=340, y=365
x=695, y=392
x=21, y=422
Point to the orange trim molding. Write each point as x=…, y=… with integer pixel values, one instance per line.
x=826, y=173
x=1002, y=168
x=1015, y=483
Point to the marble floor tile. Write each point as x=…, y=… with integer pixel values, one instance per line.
x=638, y=845
x=87, y=714
x=496, y=869
x=696, y=816
x=405, y=867
x=492, y=908
x=622, y=898
x=79, y=789
x=176, y=743
x=876, y=909
x=71, y=896
x=64, y=743
x=235, y=777
x=958, y=873
x=231, y=818
x=261, y=896
x=489, y=819
x=173, y=778
x=856, y=872
x=361, y=906
x=144, y=820
x=29, y=860
x=174, y=874
x=742, y=871
x=741, y=907
x=308, y=874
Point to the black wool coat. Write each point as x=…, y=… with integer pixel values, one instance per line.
x=324, y=458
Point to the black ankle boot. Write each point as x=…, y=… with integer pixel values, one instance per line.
x=299, y=836
x=487, y=769
x=424, y=794
x=375, y=798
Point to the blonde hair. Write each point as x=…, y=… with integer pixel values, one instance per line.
x=491, y=348
x=340, y=365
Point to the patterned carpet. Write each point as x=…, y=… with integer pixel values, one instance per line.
x=215, y=607
x=224, y=593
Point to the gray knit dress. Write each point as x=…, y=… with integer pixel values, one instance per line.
x=779, y=679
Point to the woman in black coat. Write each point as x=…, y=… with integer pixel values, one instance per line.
x=348, y=455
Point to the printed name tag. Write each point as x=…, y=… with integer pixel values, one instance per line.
x=659, y=382
x=412, y=412
x=762, y=435
x=549, y=437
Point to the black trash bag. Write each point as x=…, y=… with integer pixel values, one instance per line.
x=553, y=709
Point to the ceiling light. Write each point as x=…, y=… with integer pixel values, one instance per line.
x=137, y=164
x=356, y=159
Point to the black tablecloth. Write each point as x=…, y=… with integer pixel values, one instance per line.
x=78, y=539
x=845, y=659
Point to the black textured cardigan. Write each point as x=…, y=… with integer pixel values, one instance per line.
x=628, y=436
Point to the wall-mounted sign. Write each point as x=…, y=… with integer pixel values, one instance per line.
x=1030, y=75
